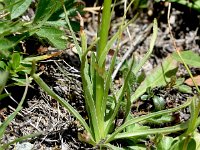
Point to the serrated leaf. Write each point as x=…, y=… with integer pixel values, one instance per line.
x=54, y=36
x=156, y=78
x=19, y=8
x=189, y=57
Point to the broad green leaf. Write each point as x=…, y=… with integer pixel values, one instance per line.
x=180, y=81
x=156, y=77
x=19, y=8
x=2, y=65
x=54, y=36
x=159, y=103
x=179, y=145
x=5, y=44
x=197, y=139
x=15, y=60
x=184, y=88
x=164, y=143
x=189, y=57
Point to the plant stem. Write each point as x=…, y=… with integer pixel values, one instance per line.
x=99, y=91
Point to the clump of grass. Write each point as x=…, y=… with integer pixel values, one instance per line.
x=102, y=107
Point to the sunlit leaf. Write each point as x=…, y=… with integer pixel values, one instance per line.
x=15, y=60
x=157, y=77
x=19, y=8
x=159, y=103
x=165, y=143
x=54, y=36
x=189, y=57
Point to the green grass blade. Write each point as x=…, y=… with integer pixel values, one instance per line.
x=72, y=32
x=5, y=146
x=119, y=98
x=63, y=102
x=165, y=130
x=112, y=40
x=3, y=80
x=148, y=54
x=194, y=112
x=87, y=86
x=142, y=118
x=12, y=116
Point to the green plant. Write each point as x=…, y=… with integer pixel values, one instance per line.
x=45, y=26
x=101, y=129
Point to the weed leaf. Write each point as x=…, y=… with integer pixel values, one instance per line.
x=189, y=57
x=45, y=9
x=54, y=36
x=157, y=77
x=19, y=8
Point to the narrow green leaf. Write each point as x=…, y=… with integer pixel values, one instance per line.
x=63, y=102
x=148, y=54
x=72, y=32
x=184, y=88
x=194, y=112
x=19, y=8
x=111, y=42
x=120, y=97
x=5, y=146
x=143, y=118
x=87, y=86
x=3, y=79
x=2, y=96
x=4, y=125
x=15, y=60
x=189, y=57
x=165, y=130
x=157, y=77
